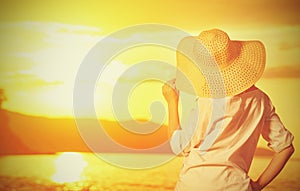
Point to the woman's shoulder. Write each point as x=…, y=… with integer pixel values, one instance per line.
x=256, y=96
x=252, y=93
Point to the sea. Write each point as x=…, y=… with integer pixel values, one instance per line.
x=75, y=171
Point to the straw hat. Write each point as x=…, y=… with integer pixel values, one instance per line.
x=212, y=65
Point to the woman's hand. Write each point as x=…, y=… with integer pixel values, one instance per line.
x=255, y=186
x=170, y=92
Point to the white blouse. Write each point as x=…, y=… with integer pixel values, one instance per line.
x=222, y=134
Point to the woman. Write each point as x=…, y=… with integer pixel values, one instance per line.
x=221, y=134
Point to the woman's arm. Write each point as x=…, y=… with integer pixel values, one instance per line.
x=174, y=123
x=273, y=169
x=171, y=95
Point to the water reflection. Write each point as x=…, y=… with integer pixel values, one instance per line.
x=69, y=167
x=85, y=171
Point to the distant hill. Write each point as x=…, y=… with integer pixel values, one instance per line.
x=10, y=143
x=24, y=134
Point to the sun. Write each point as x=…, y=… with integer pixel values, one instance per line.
x=69, y=167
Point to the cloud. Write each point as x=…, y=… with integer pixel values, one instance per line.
x=42, y=42
x=54, y=50
x=24, y=80
x=39, y=61
x=282, y=72
x=48, y=27
x=150, y=69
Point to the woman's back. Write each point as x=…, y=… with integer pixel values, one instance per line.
x=223, y=133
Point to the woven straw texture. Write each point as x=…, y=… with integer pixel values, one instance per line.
x=212, y=65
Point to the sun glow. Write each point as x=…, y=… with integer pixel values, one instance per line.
x=69, y=167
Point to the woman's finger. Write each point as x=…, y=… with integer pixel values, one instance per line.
x=171, y=83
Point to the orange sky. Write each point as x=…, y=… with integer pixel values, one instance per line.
x=190, y=15
x=43, y=44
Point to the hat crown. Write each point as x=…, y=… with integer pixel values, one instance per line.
x=215, y=40
x=213, y=47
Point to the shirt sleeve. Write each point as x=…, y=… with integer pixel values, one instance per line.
x=274, y=132
x=178, y=142
x=181, y=139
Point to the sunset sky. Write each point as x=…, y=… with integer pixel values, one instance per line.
x=44, y=42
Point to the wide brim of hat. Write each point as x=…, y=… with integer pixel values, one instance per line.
x=240, y=74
